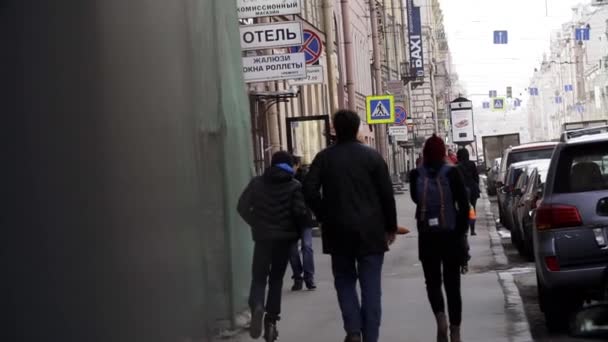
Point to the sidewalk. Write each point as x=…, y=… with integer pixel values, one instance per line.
x=315, y=316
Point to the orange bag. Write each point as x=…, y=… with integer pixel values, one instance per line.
x=472, y=215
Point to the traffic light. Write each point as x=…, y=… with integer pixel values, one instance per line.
x=509, y=92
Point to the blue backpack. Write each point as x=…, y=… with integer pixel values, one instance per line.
x=436, y=211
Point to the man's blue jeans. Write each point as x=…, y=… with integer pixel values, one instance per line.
x=364, y=317
x=303, y=269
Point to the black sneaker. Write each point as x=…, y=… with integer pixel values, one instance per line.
x=353, y=338
x=311, y=285
x=257, y=318
x=297, y=285
x=473, y=233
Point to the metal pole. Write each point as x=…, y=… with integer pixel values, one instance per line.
x=328, y=22
x=380, y=130
x=348, y=49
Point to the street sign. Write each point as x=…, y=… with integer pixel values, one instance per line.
x=493, y=94
x=397, y=130
x=558, y=99
x=486, y=105
x=400, y=115
x=568, y=87
x=274, y=35
x=517, y=103
x=533, y=91
x=312, y=46
x=501, y=37
x=401, y=137
x=266, y=8
x=274, y=67
x=415, y=39
x=314, y=75
x=582, y=34
x=380, y=109
x=499, y=104
x=509, y=92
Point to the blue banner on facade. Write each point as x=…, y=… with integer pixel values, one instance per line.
x=415, y=38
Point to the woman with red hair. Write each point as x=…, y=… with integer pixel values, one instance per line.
x=442, y=209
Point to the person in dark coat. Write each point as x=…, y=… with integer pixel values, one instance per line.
x=303, y=268
x=273, y=205
x=471, y=180
x=443, y=251
x=419, y=160
x=350, y=192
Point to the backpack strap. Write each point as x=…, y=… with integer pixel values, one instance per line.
x=422, y=173
x=442, y=200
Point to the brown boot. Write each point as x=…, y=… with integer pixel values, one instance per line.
x=442, y=327
x=455, y=333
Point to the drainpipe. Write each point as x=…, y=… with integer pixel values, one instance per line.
x=380, y=130
x=328, y=22
x=348, y=51
x=435, y=113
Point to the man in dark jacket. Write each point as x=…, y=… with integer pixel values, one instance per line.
x=471, y=180
x=350, y=192
x=303, y=268
x=274, y=207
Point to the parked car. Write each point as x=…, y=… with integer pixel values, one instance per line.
x=492, y=175
x=508, y=190
x=570, y=229
x=541, y=150
x=527, y=193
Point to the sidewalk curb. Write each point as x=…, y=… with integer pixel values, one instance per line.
x=519, y=328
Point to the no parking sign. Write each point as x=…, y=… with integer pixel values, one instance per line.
x=312, y=46
x=400, y=115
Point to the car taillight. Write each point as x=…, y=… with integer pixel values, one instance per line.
x=553, y=216
x=552, y=263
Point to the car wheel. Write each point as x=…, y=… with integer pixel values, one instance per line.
x=514, y=238
x=556, y=307
x=520, y=239
x=528, y=246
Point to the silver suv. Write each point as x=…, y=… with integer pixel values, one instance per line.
x=571, y=228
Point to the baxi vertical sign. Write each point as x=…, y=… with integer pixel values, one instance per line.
x=415, y=38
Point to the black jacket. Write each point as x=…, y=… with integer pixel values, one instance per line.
x=469, y=173
x=273, y=205
x=350, y=191
x=450, y=244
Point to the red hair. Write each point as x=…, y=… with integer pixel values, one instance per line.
x=434, y=150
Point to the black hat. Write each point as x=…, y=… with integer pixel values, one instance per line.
x=282, y=157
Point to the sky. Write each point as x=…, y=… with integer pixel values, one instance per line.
x=483, y=66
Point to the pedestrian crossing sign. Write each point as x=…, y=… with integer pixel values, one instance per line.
x=380, y=109
x=499, y=104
